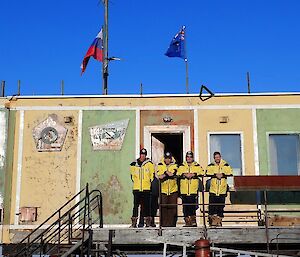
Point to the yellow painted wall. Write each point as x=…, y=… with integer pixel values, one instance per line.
x=48, y=178
x=239, y=120
x=157, y=101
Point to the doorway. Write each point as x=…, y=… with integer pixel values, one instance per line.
x=166, y=142
x=173, y=138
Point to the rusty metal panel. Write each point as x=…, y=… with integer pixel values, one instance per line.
x=28, y=214
x=271, y=183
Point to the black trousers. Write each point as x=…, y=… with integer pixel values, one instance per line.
x=154, y=205
x=216, y=205
x=189, y=210
x=141, y=199
x=153, y=209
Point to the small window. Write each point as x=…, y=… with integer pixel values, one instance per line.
x=229, y=145
x=284, y=154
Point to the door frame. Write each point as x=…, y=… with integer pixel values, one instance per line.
x=170, y=129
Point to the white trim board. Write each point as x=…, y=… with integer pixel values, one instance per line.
x=185, y=130
x=196, y=136
x=19, y=167
x=137, y=132
x=255, y=142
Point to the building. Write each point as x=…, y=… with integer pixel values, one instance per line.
x=53, y=145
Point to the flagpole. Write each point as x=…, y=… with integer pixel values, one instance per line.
x=186, y=76
x=105, y=46
x=186, y=63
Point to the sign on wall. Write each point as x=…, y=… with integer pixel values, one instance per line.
x=109, y=136
x=49, y=135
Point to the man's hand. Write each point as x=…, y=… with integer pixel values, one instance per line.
x=162, y=176
x=189, y=175
x=219, y=175
x=169, y=173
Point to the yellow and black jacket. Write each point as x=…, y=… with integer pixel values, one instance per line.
x=189, y=186
x=142, y=174
x=169, y=183
x=218, y=186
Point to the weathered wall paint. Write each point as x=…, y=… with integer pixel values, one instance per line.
x=108, y=171
x=8, y=175
x=48, y=178
x=179, y=117
x=239, y=120
x=278, y=120
x=3, y=142
x=229, y=100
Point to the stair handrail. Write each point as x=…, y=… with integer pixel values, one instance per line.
x=87, y=211
x=49, y=218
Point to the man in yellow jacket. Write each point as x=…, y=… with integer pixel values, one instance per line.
x=189, y=172
x=142, y=174
x=219, y=170
x=167, y=170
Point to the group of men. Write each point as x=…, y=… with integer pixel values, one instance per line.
x=170, y=181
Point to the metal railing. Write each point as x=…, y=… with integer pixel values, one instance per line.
x=220, y=252
x=70, y=227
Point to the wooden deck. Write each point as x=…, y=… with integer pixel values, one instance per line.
x=222, y=235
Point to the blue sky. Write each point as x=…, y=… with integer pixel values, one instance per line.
x=43, y=42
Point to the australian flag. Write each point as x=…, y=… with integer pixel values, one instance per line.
x=177, y=47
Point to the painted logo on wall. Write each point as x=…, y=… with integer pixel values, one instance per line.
x=49, y=135
x=109, y=136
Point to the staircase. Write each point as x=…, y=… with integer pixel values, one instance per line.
x=68, y=230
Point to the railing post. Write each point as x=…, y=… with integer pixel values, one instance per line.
x=203, y=211
x=84, y=219
x=59, y=228
x=27, y=247
x=100, y=210
x=165, y=250
x=41, y=246
x=159, y=207
x=266, y=220
x=69, y=228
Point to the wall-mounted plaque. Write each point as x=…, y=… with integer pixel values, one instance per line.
x=109, y=136
x=49, y=135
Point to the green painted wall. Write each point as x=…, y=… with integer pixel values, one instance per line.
x=276, y=120
x=108, y=171
x=273, y=120
x=9, y=166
